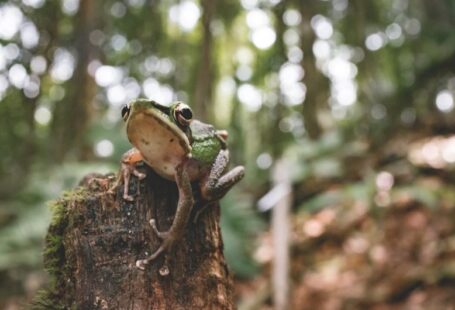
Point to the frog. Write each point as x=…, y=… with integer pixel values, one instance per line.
x=178, y=148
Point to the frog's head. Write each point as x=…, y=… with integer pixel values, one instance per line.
x=158, y=131
x=143, y=106
x=178, y=113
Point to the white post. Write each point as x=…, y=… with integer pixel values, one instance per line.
x=281, y=236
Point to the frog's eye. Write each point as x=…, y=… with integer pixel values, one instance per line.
x=186, y=113
x=183, y=114
x=125, y=112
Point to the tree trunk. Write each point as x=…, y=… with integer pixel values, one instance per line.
x=71, y=116
x=205, y=74
x=317, y=85
x=95, y=239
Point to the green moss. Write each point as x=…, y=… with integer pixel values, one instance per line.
x=79, y=193
x=45, y=299
x=55, y=254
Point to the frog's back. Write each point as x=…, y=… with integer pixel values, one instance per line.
x=205, y=143
x=200, y=130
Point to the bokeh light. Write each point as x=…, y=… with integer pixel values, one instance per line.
x=185, y=14
x=444, y=101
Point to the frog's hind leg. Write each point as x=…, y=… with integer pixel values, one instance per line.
x=184, y=207
x=217, y=183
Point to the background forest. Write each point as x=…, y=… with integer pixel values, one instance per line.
x=341, y=110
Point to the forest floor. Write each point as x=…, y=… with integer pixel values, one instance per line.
x=400, y=255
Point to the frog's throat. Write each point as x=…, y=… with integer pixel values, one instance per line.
x=165, y=123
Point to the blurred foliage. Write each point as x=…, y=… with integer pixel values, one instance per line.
x=340, y=89
x=239, y=223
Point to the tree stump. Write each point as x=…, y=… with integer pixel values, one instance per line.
x=95, y=239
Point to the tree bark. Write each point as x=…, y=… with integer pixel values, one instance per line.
x=95, y=239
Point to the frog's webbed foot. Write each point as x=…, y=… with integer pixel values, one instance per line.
x=217, y=183
x=128, y=167
x=141, y=263
x=139, y=174
x=175, y=233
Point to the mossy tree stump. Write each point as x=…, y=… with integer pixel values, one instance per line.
x=95, y=239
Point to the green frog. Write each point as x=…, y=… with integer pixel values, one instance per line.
x=178, y=148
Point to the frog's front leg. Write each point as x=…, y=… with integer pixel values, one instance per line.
x=218, y=184
x=128, y=167
x=182, y=214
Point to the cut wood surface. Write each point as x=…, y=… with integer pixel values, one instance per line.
x=95, y=239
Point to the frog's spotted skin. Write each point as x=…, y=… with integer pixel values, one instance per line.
x=179, y=149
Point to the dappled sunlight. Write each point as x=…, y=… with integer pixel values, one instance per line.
x=154, y=90
x=321, y=49
x=38, y=64
x=322, y=27
x=29, y=35
x=356, y=98
x=250, y=97
x=375, y=41
x=394, y=31
x=436, y=152
x=104, y=148
x=263, y=37
x=108, y=75
x=444, y=101
x=70, y=7
x=11, y=19
x=43, y=115
x=185, y=14
x=264, y=161
x=261, y=32
x=17, y=75
x=290, y=76
x=313, y=228
x=63, y=66
x=292, y=17
x=384, y=181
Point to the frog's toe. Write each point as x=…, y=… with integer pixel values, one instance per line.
x=128, y=198
x=139, y=175
x=161, y=234
x=141, y=263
